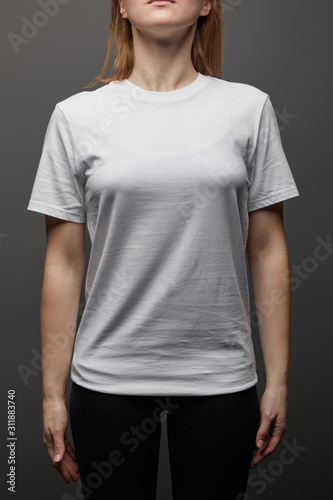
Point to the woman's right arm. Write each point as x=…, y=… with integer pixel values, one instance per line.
x=63, y=275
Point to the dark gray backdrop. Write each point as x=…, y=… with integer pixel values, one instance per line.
x=283, y=48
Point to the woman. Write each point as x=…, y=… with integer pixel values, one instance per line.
x=176, y=173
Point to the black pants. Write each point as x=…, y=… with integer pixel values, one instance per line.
x=211, y=440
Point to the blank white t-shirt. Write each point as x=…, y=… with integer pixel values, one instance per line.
x=164, y=181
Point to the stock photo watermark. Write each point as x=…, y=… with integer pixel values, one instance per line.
x=49, y=9
x=230, y=5
x=298, y=273
x=121, y=107
x=3, y=236
x=223, y=176
x=262, y=477
x=284, y=117
x=31, y=27
x=131, y=440
x=58, y=342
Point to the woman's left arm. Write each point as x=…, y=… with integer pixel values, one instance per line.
x=269, y=271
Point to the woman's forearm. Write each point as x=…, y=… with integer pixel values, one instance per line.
x=269, y=273
x=59, y=309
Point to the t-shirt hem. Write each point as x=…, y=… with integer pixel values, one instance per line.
x=136, y=391
x=55, y=212
x=275, y=198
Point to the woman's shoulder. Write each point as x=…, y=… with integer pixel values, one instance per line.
x=241, y=91
x=84, y=105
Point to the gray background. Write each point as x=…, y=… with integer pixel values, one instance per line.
x=283, y=48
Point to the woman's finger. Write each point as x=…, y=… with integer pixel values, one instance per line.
x=264, y=431
x=271, y=446
x=67, y=468
x=70, y=449
x=70, y=468
x=58, y=445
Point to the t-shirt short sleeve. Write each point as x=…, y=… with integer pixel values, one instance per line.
x=58, y=190
x=271, y=179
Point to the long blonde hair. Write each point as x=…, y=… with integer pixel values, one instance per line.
x=206, y=50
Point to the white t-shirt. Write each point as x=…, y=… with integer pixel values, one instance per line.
x=164, y=181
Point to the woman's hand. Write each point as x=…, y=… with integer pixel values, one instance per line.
x=55, y=421
x=273, y=425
